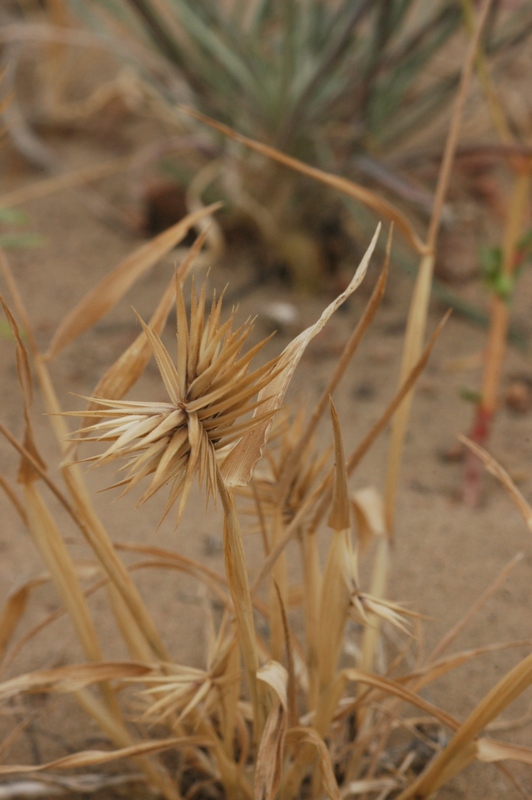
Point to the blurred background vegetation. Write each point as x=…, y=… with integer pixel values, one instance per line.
x=354, y=87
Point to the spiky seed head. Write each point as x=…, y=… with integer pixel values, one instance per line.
x=211, y=389
x=285, y=435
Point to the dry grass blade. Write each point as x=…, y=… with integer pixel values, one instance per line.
x=11, y=738
x=489, y=750
x=130, y=365
x=238, y=466
x=92, y=758
x=177, y=560
x=22, y=360
x=407, y=385
x=137, y=646
x=14, y=498
x=90, y=526
x=276, y=677
x=364, y=446
x=42, y=474
x=435, y=669
x=417, y=316
x=383, y=785
x=26, y=472
x=291, y=686
x=350, y=188
x=157, y=775
x=54, y=552
x=339, y=516
x=24, y=640
x=270, y=755
x=339, y=583
x=45, y=785
x=391, y=688
x=462, y=748
x=500, y=473
x=446, y=640
x=109, y=725
x=61, y=182
x=306, y=736
x=112, y=288
x=43, y=529
x=237, y=578
x=369, y=511
x=293, y=462
x=72, y=678
x=81, y=509
x=17, y=302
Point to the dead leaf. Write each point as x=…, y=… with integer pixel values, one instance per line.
x=495, y=469
x=309, y=736
x=26, y=471
x=72, y=678
x=104, y=296
x=489, y=750
x=270, y=756
x=128, y=368
x=369, y=511
x=238, y=466
x=91, y=758
x=370, y=199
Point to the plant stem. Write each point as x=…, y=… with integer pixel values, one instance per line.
x=82, y=510
x=497, y=337
x=417, y=319
x=237, y=579
x=420, y=300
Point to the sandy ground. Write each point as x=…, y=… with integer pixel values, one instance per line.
x=444, y=554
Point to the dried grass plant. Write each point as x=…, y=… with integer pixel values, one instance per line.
x=301, y=718
x=281, y=707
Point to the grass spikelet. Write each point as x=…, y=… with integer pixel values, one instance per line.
x=210, y=390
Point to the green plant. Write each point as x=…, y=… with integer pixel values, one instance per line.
x=294, y=74
x=322, y=82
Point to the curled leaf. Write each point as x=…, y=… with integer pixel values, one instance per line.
x=270, y=755
x=369, y=512
x=238, y=466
